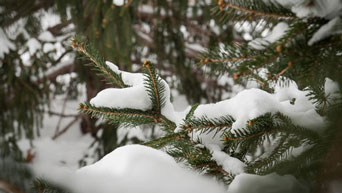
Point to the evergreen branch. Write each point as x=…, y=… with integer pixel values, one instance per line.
x=154, y=86
x=252, y=10
x=43, y=186
x=184, y=149
x=226, y=138
x=296, y=165
x=165, y=140
x=168, y=125
x=269, y=123
x=191, y=112
x=132, y=117
x=223, y=4
x=99, y=62
x=279, y=153
x=128, y=117
x=233, y=59
x=208, y=125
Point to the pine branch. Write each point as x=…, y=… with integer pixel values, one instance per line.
x=154, y=86
x=241, y=10
x=206, y=125
x=165, y=140
x=129, y=117
x=184, y=149
x=43, y=186
x=99, y=63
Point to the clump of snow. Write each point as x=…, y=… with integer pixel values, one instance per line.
x=6, y=44
x=135, y=97
x=33, y=45
x=230, y=164
x=333, y=27
x=271, y=183
x=131, y=97
x=140, y=169
x=332, y=91
x=331, y=10
x=320, y=8
x=130, y=133
x=277, y=32
x=252, y=103
x=119, y=2
x=46, y=36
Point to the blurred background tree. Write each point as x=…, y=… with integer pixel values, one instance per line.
x=39, y=67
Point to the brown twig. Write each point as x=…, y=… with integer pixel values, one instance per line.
x=58, y=134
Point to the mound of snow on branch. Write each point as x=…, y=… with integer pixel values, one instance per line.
x=251, y=103
x=134, y=97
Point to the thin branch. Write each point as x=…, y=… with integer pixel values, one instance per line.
x=154, y=82
x=253, y=12
x=65, y=128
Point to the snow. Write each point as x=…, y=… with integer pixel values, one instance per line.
x=230, y=164
x=247, y=104
x=46, y=36
x=131, y=97
x=277, y=32
x=252, y=103
x=6, y=44
x=33, y=45
x=119, y=2
x=137, y=132
x=135, y=97
x=140, y=169
x=334, y=26
x=320, y=8
x=271, y=183
x=332, y=91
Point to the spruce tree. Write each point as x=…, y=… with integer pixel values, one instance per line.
x=271, y=139
x=267, y=143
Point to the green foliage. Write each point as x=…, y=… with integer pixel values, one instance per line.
x=270, y=142
x=244, y=10
x=128, y=117
x=267, y=144
x=99, y=63
x=154, y=86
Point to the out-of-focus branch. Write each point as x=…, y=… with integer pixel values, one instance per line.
x=56, y=30
x=8, y=187
x=63, y=70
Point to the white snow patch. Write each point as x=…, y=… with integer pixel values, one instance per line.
x=137, y=132
x=277, y=32
x=6, y=44
x=46, y=36
x=332, y=91
x=252, y=103
x=320, y=8
x=140, y=169
x=33, y=45
x=229, y=164
x=271, y=183
x=131, y=97
x=333, y=27
x=119, y=2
